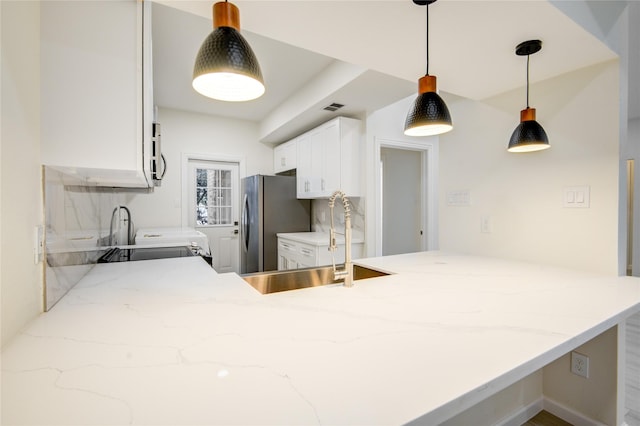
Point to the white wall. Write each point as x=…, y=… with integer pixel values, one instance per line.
x=20, y=176
x=522, y=194
x=615, y=24
x=187, y=132
x=503, y=405
x=594, y=397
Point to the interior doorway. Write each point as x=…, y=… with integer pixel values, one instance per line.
x=405, y=196
x=402, y=226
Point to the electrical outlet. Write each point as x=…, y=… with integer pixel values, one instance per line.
x=580, y=364
x=485, y=224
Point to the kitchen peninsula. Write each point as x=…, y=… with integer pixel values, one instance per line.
x=172, y=342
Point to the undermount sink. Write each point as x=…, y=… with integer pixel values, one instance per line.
x=275, y=281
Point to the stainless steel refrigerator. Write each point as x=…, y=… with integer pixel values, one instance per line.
x=269, y=206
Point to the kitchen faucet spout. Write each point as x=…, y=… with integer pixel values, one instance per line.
x=345, y=274
x=129, y=225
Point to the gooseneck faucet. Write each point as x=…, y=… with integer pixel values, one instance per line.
x=345, y=274
x=129, y=225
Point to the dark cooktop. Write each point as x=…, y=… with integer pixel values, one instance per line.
x=147, y=253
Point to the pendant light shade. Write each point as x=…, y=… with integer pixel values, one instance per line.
x=226, y=68
x=429, y=114
x=529, y=136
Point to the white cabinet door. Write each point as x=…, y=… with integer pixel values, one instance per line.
x=307, y=256
x=285, y=156
x=304, y=170
x=287, y=254
x=294, y=254
x=330, y=173
x=92, y=89
x=317, y=162
x=329, y=159
x=351, y=156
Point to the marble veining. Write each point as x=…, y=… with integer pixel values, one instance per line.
x=321, y=216
x=77, y=218
x=171, y=342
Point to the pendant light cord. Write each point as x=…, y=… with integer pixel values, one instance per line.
x=427, y=31
x=528, y=81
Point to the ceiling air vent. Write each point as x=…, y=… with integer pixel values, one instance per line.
x=333, y=107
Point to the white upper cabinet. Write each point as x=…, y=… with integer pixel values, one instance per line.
x=304, y=165
x=97, y=92
x=329, y=159
x=285, y=156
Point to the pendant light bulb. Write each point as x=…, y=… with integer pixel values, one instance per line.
x=226, y=68
x=429, y=114
x=529, y=136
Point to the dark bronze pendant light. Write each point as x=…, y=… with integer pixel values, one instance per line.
x=226, y=68
x=529, y=136
x=429, y=114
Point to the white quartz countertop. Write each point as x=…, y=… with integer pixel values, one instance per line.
x=170, y=342
x=319, y=238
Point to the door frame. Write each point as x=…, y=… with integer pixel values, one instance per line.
x=190, y=156
x=429, y=150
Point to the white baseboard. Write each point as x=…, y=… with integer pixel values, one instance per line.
x=565, y=413
x=568, y=414
x=523, y=414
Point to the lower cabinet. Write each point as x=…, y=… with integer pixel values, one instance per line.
x=295, y=254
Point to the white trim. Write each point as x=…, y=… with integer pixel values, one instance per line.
x=522, y=415
x=568, y=414
x=429, y=182
x=622, y=370
x=189, y=156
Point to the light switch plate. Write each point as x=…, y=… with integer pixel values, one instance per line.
x=577, y=197
x=38, y=244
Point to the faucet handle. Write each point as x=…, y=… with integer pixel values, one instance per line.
x=340, y=274
x=332, y=240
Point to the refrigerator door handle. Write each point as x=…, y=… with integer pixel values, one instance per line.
x=245, y=224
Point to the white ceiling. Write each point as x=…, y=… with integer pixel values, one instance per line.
x=177, y=36
x=472, y=45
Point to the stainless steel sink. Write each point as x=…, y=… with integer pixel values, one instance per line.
x=275, y=281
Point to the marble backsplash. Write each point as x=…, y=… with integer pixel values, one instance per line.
x=321, y=215
x=77, y=225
